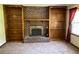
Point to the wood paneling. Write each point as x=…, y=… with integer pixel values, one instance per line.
x=57, y=34
x=23, y=23
x=19, y=21
x=14, y=23
x=57, y=17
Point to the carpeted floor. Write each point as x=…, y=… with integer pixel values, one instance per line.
x=53, y=47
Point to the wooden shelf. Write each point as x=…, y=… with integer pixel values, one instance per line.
x=57, y=29
x=37, y=19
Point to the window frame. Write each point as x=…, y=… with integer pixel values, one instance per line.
x=75, y=22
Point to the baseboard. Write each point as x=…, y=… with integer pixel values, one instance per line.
x=3, y=44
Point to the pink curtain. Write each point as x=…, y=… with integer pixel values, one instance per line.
x=71, y=16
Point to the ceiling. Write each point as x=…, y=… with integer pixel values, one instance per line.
x=47, y=4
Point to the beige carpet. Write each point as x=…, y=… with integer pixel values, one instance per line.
x=53, y=47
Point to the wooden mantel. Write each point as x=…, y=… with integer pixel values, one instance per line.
x=37, y=19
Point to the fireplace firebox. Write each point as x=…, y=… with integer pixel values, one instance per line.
x=36, y=30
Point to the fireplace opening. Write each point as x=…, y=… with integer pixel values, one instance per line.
x=36, y=31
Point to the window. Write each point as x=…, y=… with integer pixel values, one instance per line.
x=75, y=24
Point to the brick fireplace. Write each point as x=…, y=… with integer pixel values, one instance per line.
x=36, y=23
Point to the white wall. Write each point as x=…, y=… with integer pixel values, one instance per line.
x=67, y=21
x=2, y=29
x=74, y=39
